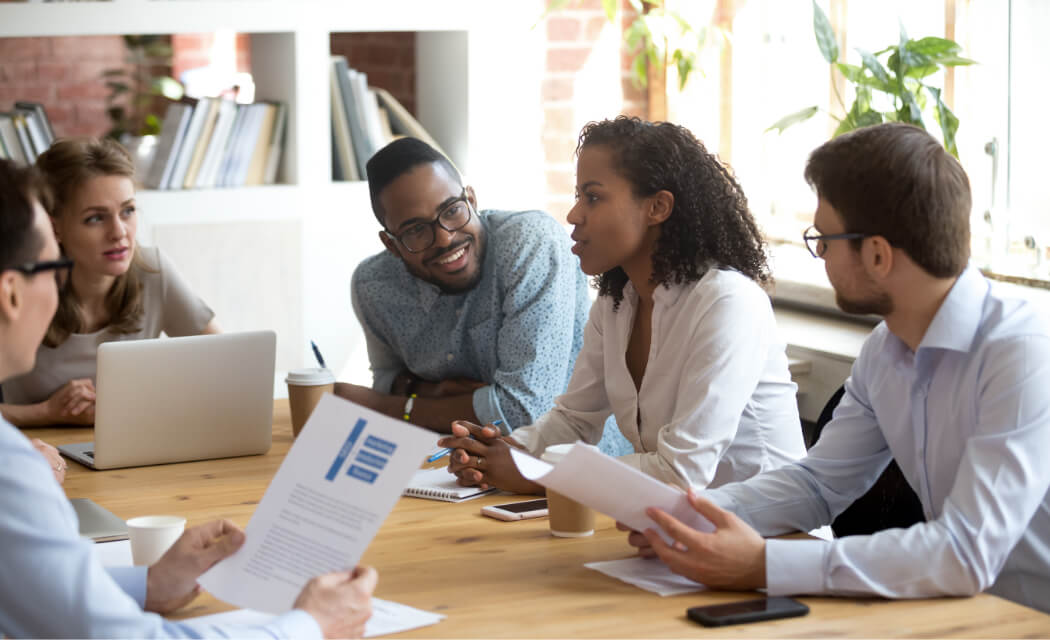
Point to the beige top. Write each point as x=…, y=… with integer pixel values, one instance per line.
x=170, y=306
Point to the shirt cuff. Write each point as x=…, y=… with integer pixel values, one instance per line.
x=486, y=408
x=132, y=580
x=795, y=566
x=297, y=624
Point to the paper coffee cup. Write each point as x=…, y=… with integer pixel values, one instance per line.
x=305, y=388
x=568, y=518
x=151, y=536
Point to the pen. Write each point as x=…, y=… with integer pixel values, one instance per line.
x=444, y=452
x=317, y=354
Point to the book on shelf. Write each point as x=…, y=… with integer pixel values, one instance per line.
x=47, y=134
x=22, y=132
x=11, y=141
x=203, y=139
x=364, y=120
x=172, y=132
x=220, y=136
x=213, y=142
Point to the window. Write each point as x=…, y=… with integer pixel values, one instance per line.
x=770, y=66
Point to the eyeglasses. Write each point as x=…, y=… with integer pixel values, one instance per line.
x=61, y=267
x=420, y=236
x=818, y=243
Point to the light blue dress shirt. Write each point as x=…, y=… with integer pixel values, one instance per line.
x=518, y=330
x=53, y=586
x=967, y=417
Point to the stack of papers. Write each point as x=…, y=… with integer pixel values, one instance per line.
x=387, y=617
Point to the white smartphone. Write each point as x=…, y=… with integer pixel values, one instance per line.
x=517, y=510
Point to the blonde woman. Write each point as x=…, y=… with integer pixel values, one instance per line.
x=117, y=290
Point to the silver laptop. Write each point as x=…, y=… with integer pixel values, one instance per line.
x=181, y=399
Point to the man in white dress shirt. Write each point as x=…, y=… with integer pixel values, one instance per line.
x=53, y=585
x=953, y=385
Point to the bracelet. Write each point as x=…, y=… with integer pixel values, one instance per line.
x=407, y=413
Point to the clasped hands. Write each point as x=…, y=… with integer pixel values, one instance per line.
x=481, y=457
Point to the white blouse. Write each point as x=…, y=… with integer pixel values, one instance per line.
x=717, y=403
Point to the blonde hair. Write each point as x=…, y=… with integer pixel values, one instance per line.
x=66, y=166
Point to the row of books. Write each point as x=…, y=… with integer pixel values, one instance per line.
x=215, y=142
x=364, y=120
x=25, y=132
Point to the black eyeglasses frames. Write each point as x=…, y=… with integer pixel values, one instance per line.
x=62, y=267
x=420, y=236
x=817, y=243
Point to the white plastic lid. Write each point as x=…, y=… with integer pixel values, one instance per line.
x=310, y=377
x=556, y=452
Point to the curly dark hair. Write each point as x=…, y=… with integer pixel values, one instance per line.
x=710, y=224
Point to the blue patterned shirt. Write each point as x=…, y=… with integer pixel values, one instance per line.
x=518, y=330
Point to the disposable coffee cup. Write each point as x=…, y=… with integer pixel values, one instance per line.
x=568, y=518
x=305, y=388
x=151, y=536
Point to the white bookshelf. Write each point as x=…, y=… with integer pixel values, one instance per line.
x=281, y=256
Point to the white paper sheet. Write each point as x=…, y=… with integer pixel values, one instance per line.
x=387, y=617
x=339, y=481
x=113, y=554
x=647, y=573
x=607, y=485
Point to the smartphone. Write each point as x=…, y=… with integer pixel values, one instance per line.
x=517, y=510
x=717, y=615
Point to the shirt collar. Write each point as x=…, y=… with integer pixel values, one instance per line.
x=955, y=324
x=663, y=296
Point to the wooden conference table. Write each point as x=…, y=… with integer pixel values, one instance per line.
x=512, y=579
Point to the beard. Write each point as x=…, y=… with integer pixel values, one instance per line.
x=456, y=287
x=879, y=304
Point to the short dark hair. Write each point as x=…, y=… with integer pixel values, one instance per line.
x=710, y=225
x=896, y=181
x=395, y=160
x=19, y=188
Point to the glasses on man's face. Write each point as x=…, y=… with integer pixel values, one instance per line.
x=420, y=236
x=62, y=267
x=817, y=243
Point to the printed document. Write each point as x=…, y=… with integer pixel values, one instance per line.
x=387, y=617
x=605, y=484
x=339, y=481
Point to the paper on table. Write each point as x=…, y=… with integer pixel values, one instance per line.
x=335, y=487
x=605, y=484
x=387, y=617
x=646, y=573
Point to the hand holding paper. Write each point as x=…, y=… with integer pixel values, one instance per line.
x=337, y=484
x=607, y=485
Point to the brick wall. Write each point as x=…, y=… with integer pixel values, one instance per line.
x=586, y=77
x=194, y=50
x=65, y=75
x=389, y=59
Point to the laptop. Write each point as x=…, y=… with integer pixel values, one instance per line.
x=181, y=399
x=97, y=522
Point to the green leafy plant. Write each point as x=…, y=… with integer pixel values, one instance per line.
x=135, y=89
x=889, y=85
x=658, y=36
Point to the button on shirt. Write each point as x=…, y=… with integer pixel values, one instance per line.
x=967, y=417
x=518, y=329
x=53, y=585
x=716, y=403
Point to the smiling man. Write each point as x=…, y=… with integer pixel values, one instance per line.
x=468, y=314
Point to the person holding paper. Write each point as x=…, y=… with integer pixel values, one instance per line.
x=54, y=585
x=467, y=313
x=952, y=385
x=681, y=345
x=118, y=289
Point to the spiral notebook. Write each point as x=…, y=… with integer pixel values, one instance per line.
x=439, y=484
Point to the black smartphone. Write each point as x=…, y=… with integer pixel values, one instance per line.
x=718, y=615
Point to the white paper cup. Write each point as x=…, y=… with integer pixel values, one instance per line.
x=151, y=536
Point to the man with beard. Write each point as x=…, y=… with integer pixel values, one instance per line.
x=468, y=314
x=953, y=385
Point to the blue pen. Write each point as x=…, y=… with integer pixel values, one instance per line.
x=444, y=452
x=317, y=354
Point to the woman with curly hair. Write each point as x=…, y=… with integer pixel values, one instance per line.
x=681, y=345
